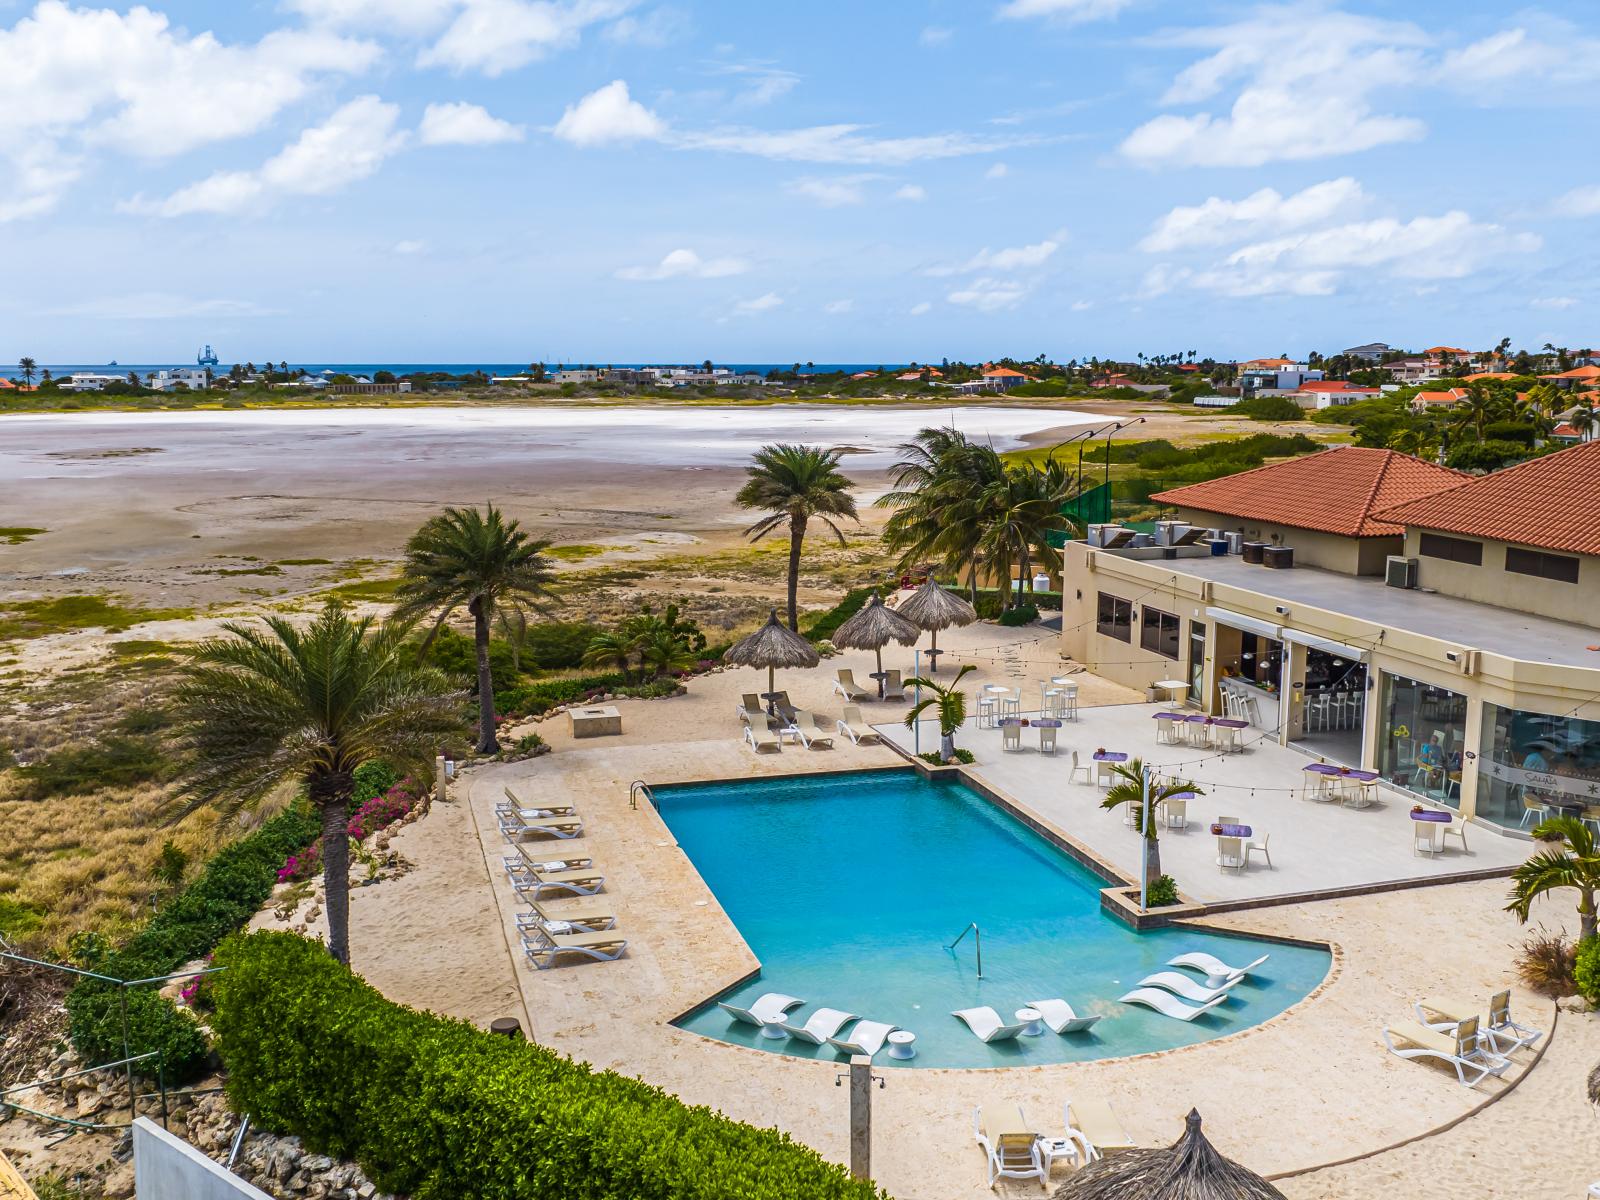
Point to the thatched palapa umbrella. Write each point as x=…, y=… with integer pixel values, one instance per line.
x=873, y=628
x=772, y=646
x=932, y=608
x=1189, y=1169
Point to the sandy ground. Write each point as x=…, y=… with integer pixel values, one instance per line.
x=1307, y=1088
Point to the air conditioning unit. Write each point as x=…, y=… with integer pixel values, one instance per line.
x=1400, y=572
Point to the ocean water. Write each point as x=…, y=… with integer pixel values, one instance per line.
x=849, y=888
x=10, y=371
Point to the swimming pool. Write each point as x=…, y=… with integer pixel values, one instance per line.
x=848, y=887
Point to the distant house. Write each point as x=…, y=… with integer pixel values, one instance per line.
x=1414, y=370
x=576, y=376
x=1432, y=401
x=84, y=381
x=914, y=376
x=1372, y=352
x=367, y=388
x=1326, y=393
x=865, y=375
x=629, y=375
x=1578, y=377
x=1003, y=379
x=1111, y=381
x=193, y=378
x=1274, y=375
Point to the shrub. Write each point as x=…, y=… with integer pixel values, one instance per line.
x=1161, y=891
x=1268, y=408
x=226, y=895
x=826, y=625
x=558, y=645
x=117, y=761
x=373, y=779
x=1485, y=456
x=1586, y=969
x=962, y=756
x=1510, y=431
x=530, y=699
x=436, y=1109
x=1022, y=614
x=1546, y=963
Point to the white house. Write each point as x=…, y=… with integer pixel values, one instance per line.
x=193, y=378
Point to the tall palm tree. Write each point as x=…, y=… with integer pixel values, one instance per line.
x=1575, y=865
x=939, y=497
x=27, y=366
x=1475, y=409
x=950, y=705
x=475, y=559
x=1587, y=422
x=268, y=705
x=1129, y=790
x=1017, y=512
x=795, y=484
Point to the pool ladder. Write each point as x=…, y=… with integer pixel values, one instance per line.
x=637, y=786
x=977, y=937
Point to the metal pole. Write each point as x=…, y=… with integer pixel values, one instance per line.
x=860, y=1116
x=122, y=993
x=916, y=727
x=1144, y=831
x=977, y=936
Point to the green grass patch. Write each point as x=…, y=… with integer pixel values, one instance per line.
x=305, y=562
x=15, y=535
x=141, y=648
x=575, y=553
x=37, y=618
x=267, y=569
x=18, y=919
x=122, y=760
x=365, y=589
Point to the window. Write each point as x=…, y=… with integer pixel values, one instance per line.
x=1115, y=618
x=1159, y=632
x=1461, y=550
x=1546, y=566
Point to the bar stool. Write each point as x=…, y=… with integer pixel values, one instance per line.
x=1011, y=703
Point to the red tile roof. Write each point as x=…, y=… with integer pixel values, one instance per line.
x=1446, y=350
x=1269, y=363
x=1547, y=502
x=1578, y=373
x=1004, y=371
x=1335, y=385
x=1333, y=491
x=1450, y=397
x=1481, y=375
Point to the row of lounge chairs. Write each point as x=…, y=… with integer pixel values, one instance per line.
x=546, y=936
x=813, y=730
x=1015, y=1148
x=823, y=1027
x=987, y=1026
x=1450, y=1030
x=846, y=686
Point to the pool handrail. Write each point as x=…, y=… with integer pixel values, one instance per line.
x=637, y=786
x=977, y=935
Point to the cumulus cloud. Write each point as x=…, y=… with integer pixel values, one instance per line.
x=608, y=115
x=495, y=36
x=1579, y=202
x=1266, y=211
x=350, y=145
x=989, y=295
x=1068, y=11
x=1013, y=258
x=464, y=125
x=685, y=264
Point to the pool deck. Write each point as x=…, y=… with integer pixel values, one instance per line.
x=1315, y=846
x=1307, y=1088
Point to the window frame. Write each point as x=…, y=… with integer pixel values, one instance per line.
x=1120, y=625
x=1466, y=551
x=1167, y=640
x=1541, y=562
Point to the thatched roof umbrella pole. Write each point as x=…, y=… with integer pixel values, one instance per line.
x=1189, y=1169
x=873, y=628
x=932, y=608
x=772, y=646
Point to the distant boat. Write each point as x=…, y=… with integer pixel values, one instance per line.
x=112, y=363
x=206, y=358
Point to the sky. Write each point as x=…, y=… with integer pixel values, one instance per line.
x=631, y=180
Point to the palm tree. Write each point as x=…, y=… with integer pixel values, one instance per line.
x=1129, y=790
x=1015, y=515
x=512, y=622
x=1474, y=409
x=265, y=706
x=794, y=484
x=610, y=650
x=477, y=559
x=951, y=705
x=661, y=653
x=942, y=497
x=1586, y=421
x=1576, y=866
x=27, y=366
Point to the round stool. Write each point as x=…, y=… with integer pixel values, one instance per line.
x=506, y=1027
x=773, y=1028
x=902, y=1044
x=1032, y=1021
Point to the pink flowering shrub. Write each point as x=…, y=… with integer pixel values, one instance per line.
x=378, y=813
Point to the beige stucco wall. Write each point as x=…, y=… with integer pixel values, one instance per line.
x=1350, y=556
x=1480, y=676
x=1493, y=584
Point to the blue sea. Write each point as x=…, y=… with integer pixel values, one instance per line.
x=367, y=368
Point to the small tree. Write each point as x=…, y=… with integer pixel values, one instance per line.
x=1575, y=865
x=951, y=705
x=27, y=366
x=1129, y=790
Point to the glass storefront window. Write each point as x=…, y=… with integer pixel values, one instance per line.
x=1532, y=765
x=1197, y=662
x=1421, y=740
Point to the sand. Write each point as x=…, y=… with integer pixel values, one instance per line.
x=1309, y=1087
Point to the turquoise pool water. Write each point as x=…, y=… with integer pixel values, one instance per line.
x=848, y=887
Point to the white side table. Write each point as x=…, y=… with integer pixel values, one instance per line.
x=1031, y=1019
x=902, y=1044
x=773, y=1028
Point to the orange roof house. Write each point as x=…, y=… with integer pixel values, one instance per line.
x=1267, y=364
x=1546, y=502
x=1332, y=491
x=1480, y=376
x=1578, y=375
x=1424, y=400
x=1004, y=373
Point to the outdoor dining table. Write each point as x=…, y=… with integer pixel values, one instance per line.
x=1232, y=724
x=1110, y=756
x=1364, y=780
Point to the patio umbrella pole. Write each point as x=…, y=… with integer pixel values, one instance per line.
x=879, y=653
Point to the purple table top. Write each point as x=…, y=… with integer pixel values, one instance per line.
x=1171, y=716
x=1179, y=796
x=1225, y=722
x=1429, y=814
x=1341, y=772
x=1238, y=831
x=1046, y=723
x=1110, y=756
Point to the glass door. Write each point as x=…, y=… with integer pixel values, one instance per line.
x=1197, y=663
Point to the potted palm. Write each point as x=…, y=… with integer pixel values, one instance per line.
x=1129, y=790
x=1575, y=865
x=950, y=704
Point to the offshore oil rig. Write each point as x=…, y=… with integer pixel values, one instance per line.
x=207, y=358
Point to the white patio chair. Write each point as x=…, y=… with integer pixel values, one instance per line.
x=1255, y=847
x=1230, y=853
x=1456, y=829
x=1011, y=735
x=1080, y=767
x=988, y=706
x=1009, y=1153
x=1047, y=739
x=1104, y=774
x=1174, y=814
x=1425, y=839
x=1166, y=730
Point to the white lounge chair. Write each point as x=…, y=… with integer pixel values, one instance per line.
x=529, y=810
x=1167, y=1004
x=762, y=739
x=1213, y=968
x=854, y=728
x=814, y=733
x=1185, y=986
x=819, y=1027
x=520, y=867
x=769, y=1007
x=986, y=1024
x=584, y=920
x=1010, y=1147
x=1091, y=1119
x=1505, y=1035
x=750, y=710
x=536, y=884
x=543, y=947
x=866, y=1038
x=514, y=826
x=847, y=686
x=1461, y=1049
x=893, y=689
x=1059, y=1016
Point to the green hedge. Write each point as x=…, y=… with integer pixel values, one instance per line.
x=436, y=1109
x=530, y=699
x=234, y=885
x=826, y=625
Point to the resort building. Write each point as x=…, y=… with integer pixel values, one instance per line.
x=1433, y=627
x=1371, y=352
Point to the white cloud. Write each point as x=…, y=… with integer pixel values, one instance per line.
x=1556, y=303
x=761, y=304
x=934, y=35
x=833, y=193
x=914, y=192
x=396, y=16
x=1579, y=202
x=158, y=306
x=1082, y=305
x=1070, y=11
x=989, y=295
x=78, y=79
x=608, y=115
x=655, y=29
x=998, y=171
x=464, y=125
x=1556, y=55
x=495, y=36
x=1013, y=258
x=350, y=145
x=410, y=246
x=843, y=144
x=685, y=264
x=921, y=309
x=835, y=308
x=1265, y=211
x=1306, y=76
x=763, y=82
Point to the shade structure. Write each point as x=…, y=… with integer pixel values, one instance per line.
x=1189, y=1169
x=932, y=608
x=873, y=628
x=772, y=646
